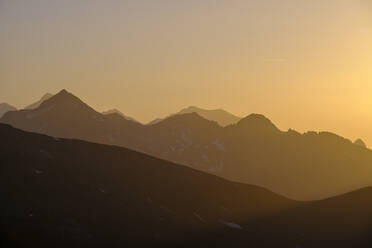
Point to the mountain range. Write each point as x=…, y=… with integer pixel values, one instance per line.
x=222, y=117
x=313, y=165
x=5, y=107
x=70, y=193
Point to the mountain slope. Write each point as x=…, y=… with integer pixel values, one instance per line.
x=4, y=108
x=35, y=105
x=70, y=193
x=300, y=166
x=343, y=221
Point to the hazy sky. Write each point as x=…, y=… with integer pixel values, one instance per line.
x=304, y=64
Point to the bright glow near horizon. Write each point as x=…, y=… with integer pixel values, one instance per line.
x=304, y=64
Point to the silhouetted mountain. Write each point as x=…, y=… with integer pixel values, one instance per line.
x=300, y=166
x=115, y=111
x=65, y=115
x=38, y=103
x=220, y=116
x=70, y=193
x=4, y=108
x=256, y=124
x=360, y=142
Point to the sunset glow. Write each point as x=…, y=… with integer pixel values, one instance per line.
x=305, y=64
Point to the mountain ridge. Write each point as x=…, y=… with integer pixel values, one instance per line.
x=38, y=103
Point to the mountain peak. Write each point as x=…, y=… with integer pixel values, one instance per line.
x=63, y=91
x=66, y=101
x=257, y=122
x=222, y=117
x=191, y=108
x=360, y=142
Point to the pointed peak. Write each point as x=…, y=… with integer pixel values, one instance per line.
x=66, y=100
x=63, y=92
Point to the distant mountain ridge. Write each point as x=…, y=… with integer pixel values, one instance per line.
x=5, y=107
x=115, y=111
x=220, y=116
x=307, y=166
x=38, y=103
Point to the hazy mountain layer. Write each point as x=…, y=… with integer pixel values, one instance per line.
x=38, y=103
x=220, y=116
x=4, y=108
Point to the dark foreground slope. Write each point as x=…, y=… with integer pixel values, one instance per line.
x=342, y=222
x=70, y=193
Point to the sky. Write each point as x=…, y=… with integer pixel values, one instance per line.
x=306, y=65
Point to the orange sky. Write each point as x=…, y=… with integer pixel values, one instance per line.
x=304, y=64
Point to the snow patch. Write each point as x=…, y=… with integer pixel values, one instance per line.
x=102, y=190
x=219, y=145
x=205, y=157
x=199, y=217
x=232, y=225
x=39, y=172
x=46, y=153
x=166, y=209
x=217, y=168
